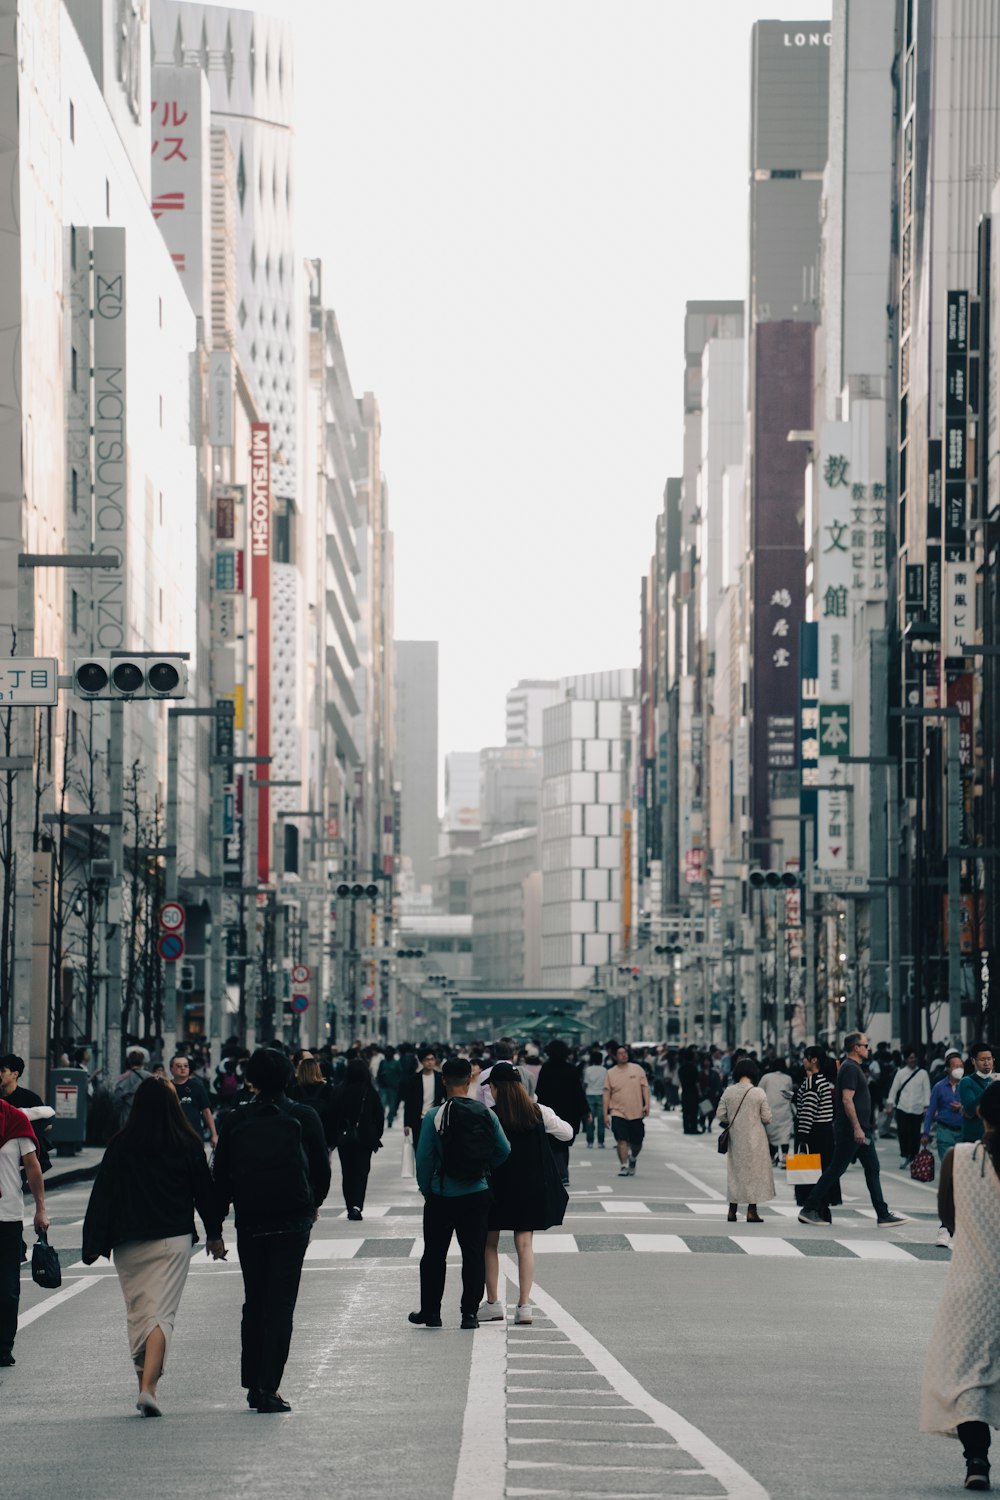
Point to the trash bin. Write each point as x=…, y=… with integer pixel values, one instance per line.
x=68, y=1097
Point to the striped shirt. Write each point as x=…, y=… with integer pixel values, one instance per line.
x=813, y=1104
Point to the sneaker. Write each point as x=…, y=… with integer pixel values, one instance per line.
x=891, y=1220
x=590, y=1145
x=631, y=1168
x=623, y=1170
x=977, y=1474
x=470, y=1320
x=427, y=1321
x=600, y=1145
x=810, y=1216
x=355, y=1214
x=903, y=1163
x=943, y=1240
x=523, y=1315
x=491, y=1312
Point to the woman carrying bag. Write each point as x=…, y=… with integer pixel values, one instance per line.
x=356, y=1123
x=749, y=1173
x=153, y=1176
x=527, y=1191
x=814, y=1121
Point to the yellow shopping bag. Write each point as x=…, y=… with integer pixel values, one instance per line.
x=803, y=1170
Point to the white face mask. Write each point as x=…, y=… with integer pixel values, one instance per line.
x=958, y=1072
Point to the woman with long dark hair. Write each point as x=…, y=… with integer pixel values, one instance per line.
x=153, y=1177
x=961, y=1391
x=357, y=1123
x=814, y=1103
x=527, y=1191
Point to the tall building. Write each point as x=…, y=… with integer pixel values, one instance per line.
x=417, y=753
x=461, y=822
x=506, y=911
x=525, y=705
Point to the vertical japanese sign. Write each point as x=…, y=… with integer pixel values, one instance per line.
x=956, y=425
x=220, y=398
x=79, y=614
x=959, y=608
x=260, y=589
x=180, y=182
x=110, y=437
x=834, y=565
x=808, y=725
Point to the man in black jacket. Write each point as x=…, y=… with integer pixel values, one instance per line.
x=420, y=1093
x=272, y=1165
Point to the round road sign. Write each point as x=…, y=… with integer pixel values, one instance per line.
x=170, y=947
x=300, y=1003
x=300, y=974
x=368, y=1002
x=172, y=916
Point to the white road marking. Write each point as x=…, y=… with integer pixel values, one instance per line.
x=373, y=1211
x=333, y=1249
x=771, y=1246
x=875, y=1249
x=625, y=1206
x=482, y=1456
x=41, y=1308
x=554, y=1244
x=713, y=1210
x=671, y=1243
x=709, y=1192
x=738, y=1484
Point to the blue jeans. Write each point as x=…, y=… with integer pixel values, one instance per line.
x=845, y=1151
x=595, y=1103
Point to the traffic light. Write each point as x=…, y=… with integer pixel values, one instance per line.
x=185, y=978
x=671, y=948
x=774, y=880
x=357, y=892
x=409, y=952
x=130, y=677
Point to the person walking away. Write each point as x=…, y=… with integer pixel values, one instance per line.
x=776, y=1084
x=625, y=1105
x=272, y=1166
x=526, y=1192
x=853, y=1140
x=560, y=1088
x=593, y=1088
x=390, y=1076
x=141, y=1211
x=973, y=1087
x=127, y=1085
x=421, y=1092
x=357, y=1123
x=689, y=1078
x=310, y=1087
x=961, y=1386
x=944, y=1116
x=503, y=1051
x=18, y=1149
x=749, y=1172
x=814, y=1121
x=193, y=1097
x=908, y=1098
x=460, y=1144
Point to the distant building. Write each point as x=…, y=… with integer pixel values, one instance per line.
x=525, y=705
x=461, y=793
x=510, y=789
x=506, y=911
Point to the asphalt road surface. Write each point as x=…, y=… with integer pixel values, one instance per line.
x=672, y=1355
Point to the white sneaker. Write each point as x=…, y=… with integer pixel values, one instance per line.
x=491, y=1312
x=631, y=1167
x=903, y=1163
x=623, y=1171
x=523, y=1313
x=943, y=1239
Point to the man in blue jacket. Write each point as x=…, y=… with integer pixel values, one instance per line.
x=972, y=1088
x=457, y=1202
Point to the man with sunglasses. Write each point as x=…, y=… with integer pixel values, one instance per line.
x=853, y=1139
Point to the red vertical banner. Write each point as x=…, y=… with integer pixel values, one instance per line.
x=260, y=589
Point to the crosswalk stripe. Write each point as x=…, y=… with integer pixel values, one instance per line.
x=669, y=1243
x=665, y=1244
x=876, y=1250
x=769, y=1246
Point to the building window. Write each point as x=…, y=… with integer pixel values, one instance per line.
x=74, y=487
x=161, y=411
x=161, y=311
x=72, y=728
x=72, y=376
x=74, y=602
x=107, y=197
x=161, y=507
x=161, y=606
x=72, y=121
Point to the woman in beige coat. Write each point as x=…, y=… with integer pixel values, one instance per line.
x=744, y=1108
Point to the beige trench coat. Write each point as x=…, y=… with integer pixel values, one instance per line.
x=749, y=1174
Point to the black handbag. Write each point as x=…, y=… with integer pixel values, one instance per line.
x=45, y=1268
x=723, y=1141
x=555, y=1195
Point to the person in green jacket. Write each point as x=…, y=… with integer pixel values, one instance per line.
x=973, y=1087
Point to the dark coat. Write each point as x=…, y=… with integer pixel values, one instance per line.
x=361, y=1108
x=320, y=1097
x=151, y=1198
x=559, y=1087
x=411, y=1096
x=527, y=1193
x=317, y=1160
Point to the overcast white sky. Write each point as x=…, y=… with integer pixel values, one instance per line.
x=513, y=203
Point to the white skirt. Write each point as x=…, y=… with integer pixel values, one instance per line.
x=152, y=1275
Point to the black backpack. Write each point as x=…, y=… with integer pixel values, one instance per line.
x=468, y=1139
x=268, y=1166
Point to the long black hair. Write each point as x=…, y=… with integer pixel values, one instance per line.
x=156, y=1122
x=357, y=1074
x=989, y=1110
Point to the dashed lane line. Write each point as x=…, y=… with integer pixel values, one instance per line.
x=73, y=1289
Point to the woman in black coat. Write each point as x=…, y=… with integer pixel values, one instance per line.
x=310, y=1087
x=357, y=1122
x=561, y=1089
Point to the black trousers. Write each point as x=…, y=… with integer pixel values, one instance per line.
x=689, y=1111
x=355, y=1164
x=975, y=1439
x=845, y=1151
x=10, y=1281
x=908, y=1128
x=467, y=1217
x=820, y=1141
x=271, y=1266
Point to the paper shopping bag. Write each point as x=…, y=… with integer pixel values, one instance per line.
x=803, y=1170
x=409, y=1168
